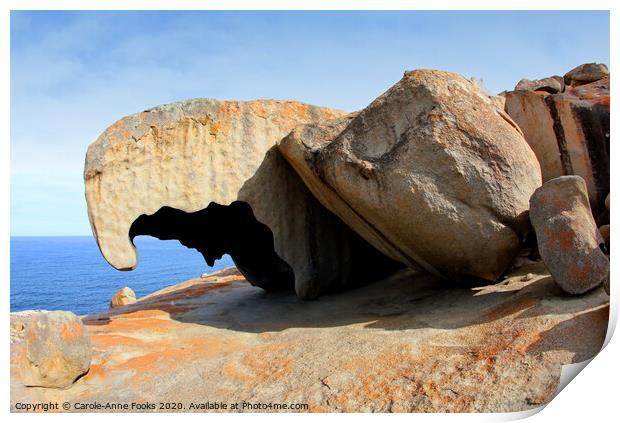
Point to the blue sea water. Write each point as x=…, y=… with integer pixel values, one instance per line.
x=69, y=273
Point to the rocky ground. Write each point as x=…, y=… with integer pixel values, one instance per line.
x=407, y=343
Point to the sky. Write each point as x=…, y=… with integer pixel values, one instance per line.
x=73, y=74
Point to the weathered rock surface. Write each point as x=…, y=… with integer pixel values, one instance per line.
x=586, y=73
x=123, y=297
x=48, y=348
x=402, y=344
x=568, y=239
x=204, y=172
x=569, y=132
x=431, y=173
x=552, y=84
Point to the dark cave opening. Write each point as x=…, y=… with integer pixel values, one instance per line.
x=218, y=230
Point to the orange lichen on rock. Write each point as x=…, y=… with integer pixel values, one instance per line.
x=71, y=332
x=403, y=344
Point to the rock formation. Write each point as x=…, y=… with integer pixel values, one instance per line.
x=431, y=173
x=123, y=297
x=568, y=240
x=204, y=172
x=586, y=73
x=49, y=349
x=406, y=343
x=569, y=131
x=553, y=84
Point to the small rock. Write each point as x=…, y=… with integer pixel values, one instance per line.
x=586, y=73
x=204, y=276
x=57, y=348
x=553, y=84
x=123, y=297
x=568, y=239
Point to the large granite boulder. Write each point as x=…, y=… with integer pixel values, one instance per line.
x=49, y=349
x=206, y=172
x=569, y=131
x=431, y=173
x=568, y=239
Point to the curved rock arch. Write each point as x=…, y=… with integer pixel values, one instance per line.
x=189, y=155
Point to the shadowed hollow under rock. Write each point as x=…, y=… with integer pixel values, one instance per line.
x=405, y=343
x=234, y=230
x=190, y=154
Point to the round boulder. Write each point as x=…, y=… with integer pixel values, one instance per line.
x=568, y=240
x=123, y=297
x=55, y=348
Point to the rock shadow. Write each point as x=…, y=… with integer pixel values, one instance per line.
x=404, y=301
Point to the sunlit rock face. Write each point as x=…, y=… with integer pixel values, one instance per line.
x=405, y=343
x=49, y=349
x=568, y=240
x=189, y=155
x=432, y=173
x=569, y=130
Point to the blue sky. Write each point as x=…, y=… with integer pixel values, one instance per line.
x=75, y=73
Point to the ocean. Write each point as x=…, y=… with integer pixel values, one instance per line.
x=69, y=273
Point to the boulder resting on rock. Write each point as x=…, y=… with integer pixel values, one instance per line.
x=552, y=84
x=205, y=172
x=569, y=132
x=568, y=239
x=431, y=173
x=51, y=348
x=586, y=73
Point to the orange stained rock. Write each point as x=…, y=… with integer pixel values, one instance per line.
x=435, y=365
x=215, y=128
x=143, y=314
x=564, y=239
x=295, y=109
x=71, y=331
x=104, y=340
x=163, y=356
x=96, y=371
x=317, y=408
x=146, y=325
